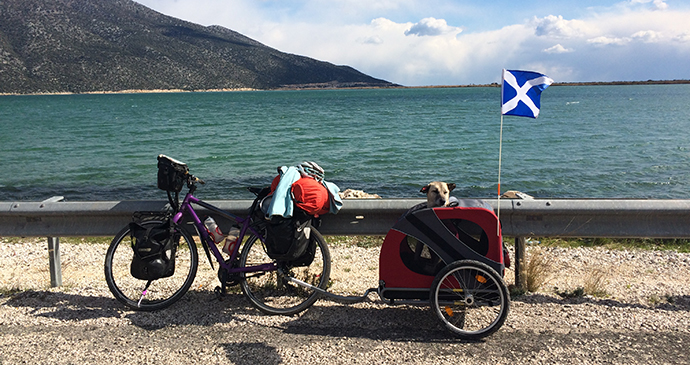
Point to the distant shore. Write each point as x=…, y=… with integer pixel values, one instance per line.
x=311, y=87
x=132, y=91
x=587, y=83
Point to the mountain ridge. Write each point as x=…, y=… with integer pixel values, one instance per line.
x=79, y=46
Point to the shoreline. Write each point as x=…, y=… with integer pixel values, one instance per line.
x=298, y=87
x=130, y=91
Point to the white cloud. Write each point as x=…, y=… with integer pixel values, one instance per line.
x=371, y=40
x=655, y=4
x=387, y=25
x=606, y=41
x=557, y=49
x=682, y=38
x=557, y=27
x=431, y=27
x=647, y=36
x=660, y=5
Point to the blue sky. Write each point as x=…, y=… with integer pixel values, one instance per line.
x=453, y=42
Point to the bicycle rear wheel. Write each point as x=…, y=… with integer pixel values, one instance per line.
x=270, y=291
x=161, y=293
x=470, y=298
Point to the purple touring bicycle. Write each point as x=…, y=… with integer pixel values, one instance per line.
x=271, y=285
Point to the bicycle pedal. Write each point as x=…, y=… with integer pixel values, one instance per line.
x=220, y=293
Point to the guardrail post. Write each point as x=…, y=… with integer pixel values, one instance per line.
x=54, y=249
x=519, y=262
x=54, y=258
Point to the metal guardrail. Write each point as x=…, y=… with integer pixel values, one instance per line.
x=615, y=218
x=618, y=218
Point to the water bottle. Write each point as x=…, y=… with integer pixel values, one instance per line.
x=213, y=230
x=231, y=240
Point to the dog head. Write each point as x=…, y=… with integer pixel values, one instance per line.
x=437, y=193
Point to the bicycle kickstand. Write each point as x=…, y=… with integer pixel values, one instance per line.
x=220, y=292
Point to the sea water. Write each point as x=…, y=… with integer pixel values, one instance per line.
x=589, y=141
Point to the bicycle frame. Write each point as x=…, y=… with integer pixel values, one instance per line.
x=186, y=209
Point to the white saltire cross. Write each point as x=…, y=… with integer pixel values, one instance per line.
x=522, y=92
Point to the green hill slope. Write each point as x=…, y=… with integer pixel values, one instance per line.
x=111, y=45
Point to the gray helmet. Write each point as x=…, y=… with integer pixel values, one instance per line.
x=311, y=169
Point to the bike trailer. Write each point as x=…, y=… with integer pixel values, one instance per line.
x=424, y=241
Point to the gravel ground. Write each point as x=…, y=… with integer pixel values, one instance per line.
x=642, y=318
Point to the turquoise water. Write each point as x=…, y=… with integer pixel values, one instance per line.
x=588, y=142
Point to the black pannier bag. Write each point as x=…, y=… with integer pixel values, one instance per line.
x=290, y=239
x=154, y=250
x=308, y=256
x=172, y=174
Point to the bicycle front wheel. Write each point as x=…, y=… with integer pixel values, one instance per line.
x=270, y=291
x=470, y=298
x=160, y=293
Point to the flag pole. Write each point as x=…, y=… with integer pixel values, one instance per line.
x=500, y=153
x=498, y=202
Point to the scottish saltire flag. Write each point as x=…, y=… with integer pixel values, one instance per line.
x=521, y=91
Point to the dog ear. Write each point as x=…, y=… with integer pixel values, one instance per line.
x=451, y=186
x=425, y=189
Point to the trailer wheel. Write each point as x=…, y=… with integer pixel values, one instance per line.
x=470, y=298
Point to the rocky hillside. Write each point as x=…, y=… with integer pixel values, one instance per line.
x=110, y=45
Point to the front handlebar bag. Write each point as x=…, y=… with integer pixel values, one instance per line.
x=172, y=174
